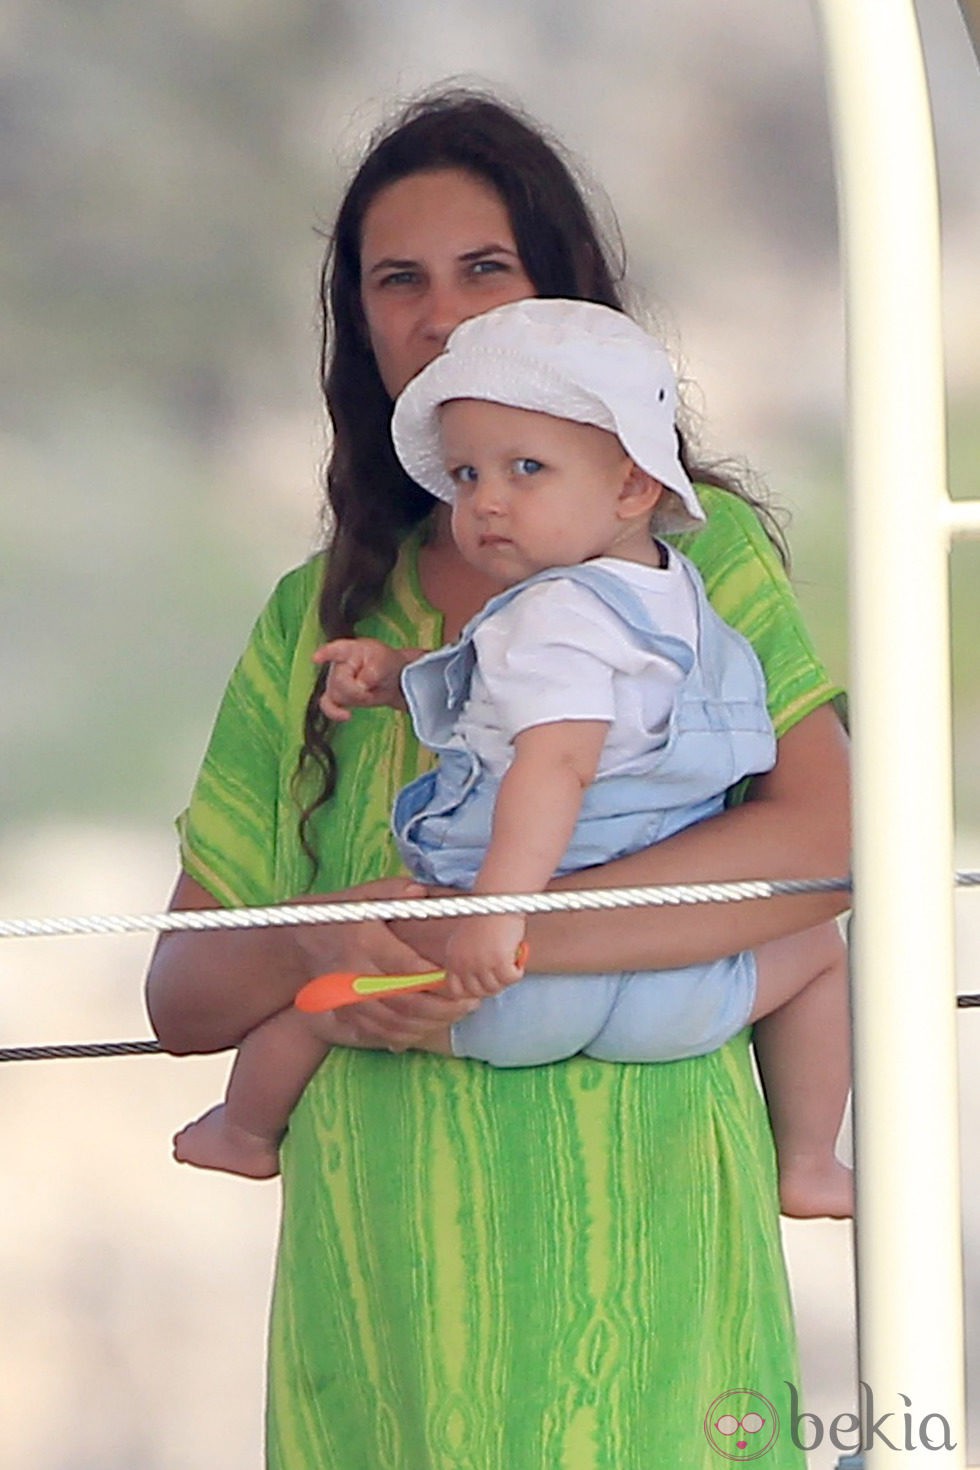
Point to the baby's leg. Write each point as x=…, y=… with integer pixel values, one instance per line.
x=273, y=1066
x=802, y=1041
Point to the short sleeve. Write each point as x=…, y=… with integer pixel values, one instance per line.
x=553, y=653
x=228, y=832
x=748, y=587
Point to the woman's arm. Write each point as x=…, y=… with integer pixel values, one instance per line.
x=204, y=991
x=794, y=824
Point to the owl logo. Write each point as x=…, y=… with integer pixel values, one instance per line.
x=741, y=1425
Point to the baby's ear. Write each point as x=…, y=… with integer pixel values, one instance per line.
x=639, y=494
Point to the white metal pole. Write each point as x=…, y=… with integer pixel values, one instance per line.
x=963, y=517
x=910, y=1288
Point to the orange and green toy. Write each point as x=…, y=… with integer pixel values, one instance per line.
x=343, y=988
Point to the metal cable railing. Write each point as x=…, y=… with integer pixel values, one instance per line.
x=358, y=911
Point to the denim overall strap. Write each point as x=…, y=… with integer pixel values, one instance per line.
x=437, y=685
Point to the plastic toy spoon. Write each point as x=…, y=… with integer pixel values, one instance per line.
x=343, y=988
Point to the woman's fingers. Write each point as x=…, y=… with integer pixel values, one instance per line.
x=399, y=1023
x=370, y=948
x=366, y=947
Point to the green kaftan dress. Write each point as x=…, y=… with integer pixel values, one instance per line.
x=545, y=1268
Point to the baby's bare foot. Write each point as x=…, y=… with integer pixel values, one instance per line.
x=214, y=1143
x=812, y=1187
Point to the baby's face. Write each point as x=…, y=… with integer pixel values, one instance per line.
x=531, y=491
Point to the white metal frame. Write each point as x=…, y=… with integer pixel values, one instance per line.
x=901, y=520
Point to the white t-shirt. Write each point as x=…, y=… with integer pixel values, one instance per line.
x=557, y=652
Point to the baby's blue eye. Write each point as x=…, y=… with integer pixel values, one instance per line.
x=525, y=466
x=463, y=474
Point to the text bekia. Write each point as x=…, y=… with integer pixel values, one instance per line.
x=897, y=1429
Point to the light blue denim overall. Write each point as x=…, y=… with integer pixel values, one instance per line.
x=718, y=733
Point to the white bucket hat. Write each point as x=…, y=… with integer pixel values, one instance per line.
x=572, y=359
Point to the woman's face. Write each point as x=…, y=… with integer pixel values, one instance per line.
x=436, y=248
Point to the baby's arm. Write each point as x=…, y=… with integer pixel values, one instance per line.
x=364, y=673
x=536, y=811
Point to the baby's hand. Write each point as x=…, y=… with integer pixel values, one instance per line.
x=482, y=955
x=364, y=673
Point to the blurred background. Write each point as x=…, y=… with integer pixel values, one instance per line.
x=166, y=175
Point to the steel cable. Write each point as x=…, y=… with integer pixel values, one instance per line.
x=198, y=920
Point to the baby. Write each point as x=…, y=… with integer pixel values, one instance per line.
x=594, y=707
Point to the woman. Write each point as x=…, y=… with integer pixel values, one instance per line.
x=553, y=1266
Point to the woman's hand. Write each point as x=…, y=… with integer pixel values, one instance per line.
x=417, y=1022
x=398, y=1022
x=204, y=991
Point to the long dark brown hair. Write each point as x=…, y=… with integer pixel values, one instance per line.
x=370, y=501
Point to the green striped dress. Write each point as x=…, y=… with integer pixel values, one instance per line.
x=547, y=1268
